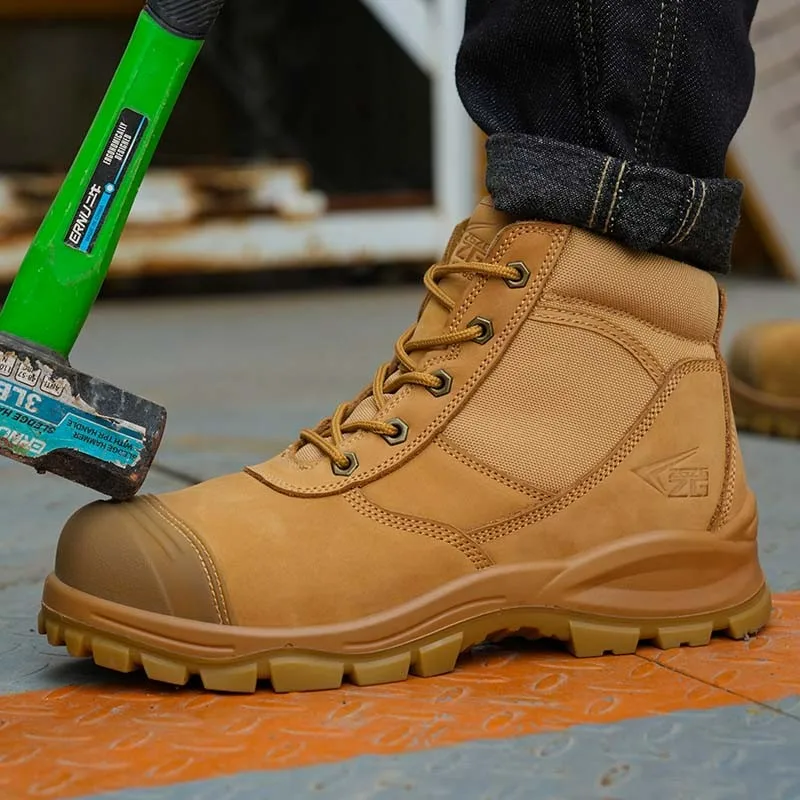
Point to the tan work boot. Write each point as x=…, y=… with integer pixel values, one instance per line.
x=551, y=452
x=765, y=378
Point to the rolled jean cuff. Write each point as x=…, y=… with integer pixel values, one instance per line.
x=647, y=208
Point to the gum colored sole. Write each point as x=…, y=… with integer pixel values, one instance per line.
x=764, y=413
x=293, y=671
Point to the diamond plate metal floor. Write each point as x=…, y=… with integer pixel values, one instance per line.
x=239, y=377
x=748, y=751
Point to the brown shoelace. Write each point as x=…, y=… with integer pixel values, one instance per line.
x=328, y=437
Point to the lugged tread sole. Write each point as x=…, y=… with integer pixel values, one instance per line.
x=290, y=671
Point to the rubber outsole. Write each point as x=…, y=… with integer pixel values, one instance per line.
x=292, y=671
x=761, y=412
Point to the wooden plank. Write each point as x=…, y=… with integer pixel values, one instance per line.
x=177, y=196
x=235, y=219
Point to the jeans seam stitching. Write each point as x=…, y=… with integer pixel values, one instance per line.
x=670, y=64
x=609, y=226
x=652, y=78
x=593, y=42
x=587, y=118
x=689, y=230
x=600, y=186
x=692, y=195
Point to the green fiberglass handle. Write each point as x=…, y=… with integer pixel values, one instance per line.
x=68, y=260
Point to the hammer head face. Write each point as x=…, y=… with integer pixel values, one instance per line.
x=59, y=420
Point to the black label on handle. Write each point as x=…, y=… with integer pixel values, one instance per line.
x=102, y=190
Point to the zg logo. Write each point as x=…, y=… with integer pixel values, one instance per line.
x=673, y=478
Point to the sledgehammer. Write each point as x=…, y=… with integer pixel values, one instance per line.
x=53, y=417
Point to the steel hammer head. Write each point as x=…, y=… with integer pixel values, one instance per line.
x=59, y=420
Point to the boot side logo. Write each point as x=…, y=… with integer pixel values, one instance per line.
x=472, y=247
x=674, y=478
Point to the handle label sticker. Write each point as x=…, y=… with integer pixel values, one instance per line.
x=106, y=180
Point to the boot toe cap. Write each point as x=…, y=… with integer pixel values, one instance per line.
x=137, y=554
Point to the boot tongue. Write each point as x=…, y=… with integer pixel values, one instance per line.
x=470, y=241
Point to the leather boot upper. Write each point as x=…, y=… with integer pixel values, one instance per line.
x=575, y=396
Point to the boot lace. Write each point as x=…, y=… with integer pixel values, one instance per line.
x=329, y=435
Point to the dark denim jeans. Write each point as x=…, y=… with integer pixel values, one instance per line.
x=614, y=115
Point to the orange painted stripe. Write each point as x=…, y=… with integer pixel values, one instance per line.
x=77, y=741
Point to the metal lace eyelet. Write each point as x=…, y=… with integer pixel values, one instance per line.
x=524, y=275
x=352, y=465
x=445, y=383
x=487, y=329
x=402, y=431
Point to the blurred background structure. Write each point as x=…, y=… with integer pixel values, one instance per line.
x=313, y=133
x=766, y=151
